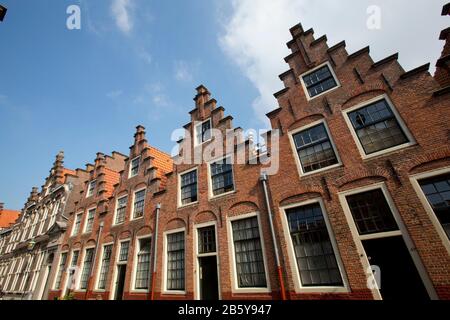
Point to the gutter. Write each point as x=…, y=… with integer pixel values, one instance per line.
x=155, y=251
x=264, y=179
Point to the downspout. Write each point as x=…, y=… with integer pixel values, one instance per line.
x=264, y=178
x=91, y=272
x=155, y=251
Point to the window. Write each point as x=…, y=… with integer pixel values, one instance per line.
x=315, y=149
x=121, y=210
x=74, y=261
x=134, y=167
x=248, y=254
x=76, y=226
x=188, y=187
x=222, y=177
x=139, y=202
x=104, y=269
x=207, y=240
x=203, y=132
x=316, y=260
x=371, y=212
x=377, y=127
x=91, y=188
x=143, y=264
x=175, y=261
x=90, y=221
x=62, y=264
x=124, y=248
x=437, y=192
x=319, y=81
x=87, y=266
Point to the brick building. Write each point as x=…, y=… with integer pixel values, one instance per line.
x=361, y=195
x=27, y=256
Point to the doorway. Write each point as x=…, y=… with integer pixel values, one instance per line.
x=209, y=287
x=386, y=245
x=399, y=276
x=120, y=281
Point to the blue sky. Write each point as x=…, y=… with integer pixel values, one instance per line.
x=138, y=62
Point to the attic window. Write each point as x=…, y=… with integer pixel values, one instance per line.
x=319, y=81
x=203, y=132
x=91, y=188
x=134, y=167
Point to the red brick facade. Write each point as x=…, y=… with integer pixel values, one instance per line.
x=416, y=104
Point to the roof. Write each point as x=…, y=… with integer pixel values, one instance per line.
x=163, y=163
x=8, y=217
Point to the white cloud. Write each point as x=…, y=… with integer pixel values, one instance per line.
x=145, y=56
x=256, y=31
x=121, y=10
x=183, y=71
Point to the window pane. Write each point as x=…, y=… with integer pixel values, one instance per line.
x=371, y=212
x=189, y=187
x=123, y=254
x=61, y=269
x=135, y=167
x=377, y=128
x=139, y=202
x=175, y=261
x=248, y=254
x=314, y=149
x=222, y=177
x=88, y=259
x=90, y=220
x=207, y=240
x=121, y=210
x=437, y=191
x=106, y=259
x=319, y=81
x=143, y=264
x=316, y=259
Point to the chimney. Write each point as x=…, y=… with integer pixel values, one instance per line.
x=58, y=168
x=140, y=134
x=442, y=74
x=2, y=205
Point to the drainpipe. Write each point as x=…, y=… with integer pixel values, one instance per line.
x=91, y=273
x=155, y=250
x=264, y=178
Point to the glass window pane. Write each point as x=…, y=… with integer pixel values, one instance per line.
x=248, y=254
x=175, y=261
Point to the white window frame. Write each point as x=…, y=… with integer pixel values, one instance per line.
x=200, y=255
x=66, y=278
x=180, y=205
x=297, y=157
x=164, y=271
x=99, y=267
x=414, y=179
x=73, y=234
x=116, y=264
x=403, y=232
x=299, y=288
x=402, y=124
x=200, y=124
x=305, y=89
x=87, y=218
x=131, y=165
x=134, y=266
x=115, y=211
x=80, y=272
x=58, y=269
x=235, y=287
x=132, y=218
x=88, y=192
x=211, y=195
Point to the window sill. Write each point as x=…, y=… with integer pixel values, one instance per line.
x=382, y=153
x=137, y=219
x=320, y=290
x=334, y=166
x=251, y=290
x=193, y=204
x=140, y=291
x=174, y=293
x=222, y=195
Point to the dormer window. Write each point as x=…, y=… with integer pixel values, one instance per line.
x=203, y=132
x=134, y=167
x=91, y=188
